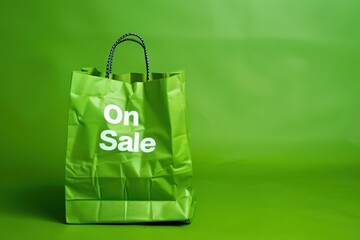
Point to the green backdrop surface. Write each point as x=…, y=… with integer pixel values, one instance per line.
x=274, y=106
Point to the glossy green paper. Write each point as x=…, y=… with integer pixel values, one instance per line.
x=121, y=186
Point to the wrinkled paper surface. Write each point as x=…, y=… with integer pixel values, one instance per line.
x=123, y=187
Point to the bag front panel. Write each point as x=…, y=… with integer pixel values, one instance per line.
x=136, y=150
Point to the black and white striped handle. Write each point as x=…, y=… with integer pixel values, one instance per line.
x=124, y=38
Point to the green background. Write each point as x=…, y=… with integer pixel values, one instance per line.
x=274, y=105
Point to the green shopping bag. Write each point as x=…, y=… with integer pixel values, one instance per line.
x=128, y=157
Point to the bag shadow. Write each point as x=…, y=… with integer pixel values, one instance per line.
x=45, y=202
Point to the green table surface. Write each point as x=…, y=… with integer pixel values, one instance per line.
x=282, y=197
x=274, y=106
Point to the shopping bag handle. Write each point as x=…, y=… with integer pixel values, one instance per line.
x=109, y=64
x=123, y=38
